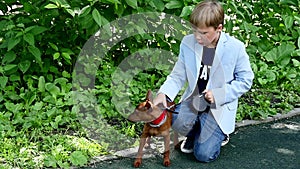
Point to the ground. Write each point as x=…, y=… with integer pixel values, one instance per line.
x=271, y=145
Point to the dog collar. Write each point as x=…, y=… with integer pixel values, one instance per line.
x=160, y=120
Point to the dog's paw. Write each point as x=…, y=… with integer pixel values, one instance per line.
x=167, y=163
x=137, y=163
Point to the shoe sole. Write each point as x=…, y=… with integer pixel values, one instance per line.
x=185, y=150
x=224, y=142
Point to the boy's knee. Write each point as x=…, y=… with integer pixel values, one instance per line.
x=206, y=156
x=202, y=157
x=182, y=127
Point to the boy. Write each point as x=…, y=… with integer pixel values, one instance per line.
x=217, y=65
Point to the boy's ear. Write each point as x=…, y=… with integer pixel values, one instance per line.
x=220, y=28
x=149, y=96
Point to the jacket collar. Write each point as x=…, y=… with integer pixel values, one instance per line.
x=219, y=53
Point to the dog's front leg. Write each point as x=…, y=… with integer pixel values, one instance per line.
x=138, y=161
x=176, y=141
x=167, y=162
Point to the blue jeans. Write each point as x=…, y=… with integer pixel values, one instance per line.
x=207, y=133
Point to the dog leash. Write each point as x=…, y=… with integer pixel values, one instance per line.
x=172, y=106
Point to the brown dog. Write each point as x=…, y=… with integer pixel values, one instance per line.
x=158, y=123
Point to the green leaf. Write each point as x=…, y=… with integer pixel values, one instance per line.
x=56, y=55
x=296, y=63
x=13, y=107
x=97, y=17
x=21, y=25
x=66, y=74
x=279, y=53
x=53, y=46
x=71, y=12
x=288, y=22
x=28, y=29
x=24, y=65
x=50, y=161
x=85, y=11
x=61, y=3
x=49, y=99
x=13, y=95
x=29, y=38
x=298, y=42
x=296, y=52
x=36, y=53
x=9, y=67
x=58, y=119
x=14, y=77
x=51, y=88
x=41, y=84
x=285, y=49
x=66, y=56
x=28, y=7
x=271, y=55
x=10, y=106
x=284, y=62
x=158, y=4
x=112, y=1
x=293, y=2
x=3, y=81
x=173, y=4
x=132, y=3
x=186, y=11
x=30, y=97
x=12, y=42
x=9, y=57
x=36, y=30
x=77, y=158
x=51, y=6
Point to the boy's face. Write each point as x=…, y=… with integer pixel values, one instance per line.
x=207, y=36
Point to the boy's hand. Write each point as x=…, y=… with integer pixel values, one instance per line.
x=209, y=96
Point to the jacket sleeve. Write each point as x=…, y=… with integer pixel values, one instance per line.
x=241, y=82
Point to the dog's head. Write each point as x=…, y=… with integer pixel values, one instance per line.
x=146, y=111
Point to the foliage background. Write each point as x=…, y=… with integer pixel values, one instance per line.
x=41, y=40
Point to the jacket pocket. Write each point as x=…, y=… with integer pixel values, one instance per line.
x=232, y=105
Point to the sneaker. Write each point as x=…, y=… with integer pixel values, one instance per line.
x=187, y=145
x=226, y=140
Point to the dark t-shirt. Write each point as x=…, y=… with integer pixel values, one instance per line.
x=207, y=60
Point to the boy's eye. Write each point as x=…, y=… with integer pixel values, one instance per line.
x=198, y=32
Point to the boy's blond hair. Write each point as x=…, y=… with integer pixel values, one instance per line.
x=207, y=13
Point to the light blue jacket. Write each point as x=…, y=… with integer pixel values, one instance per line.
x=230, y=76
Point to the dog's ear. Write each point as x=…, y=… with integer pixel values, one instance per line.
x=149, y=96
x=147, y=105
x=161, y=106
